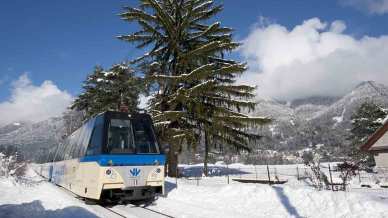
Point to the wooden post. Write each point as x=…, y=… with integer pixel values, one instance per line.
x=227, y=171
x=269, y=176
x=297, y=172
x=256, y=172
x=331, y=179
x=176, y=177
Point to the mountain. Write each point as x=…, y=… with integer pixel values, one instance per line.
x=32, y=138
x=11, y=127
x=316, y=120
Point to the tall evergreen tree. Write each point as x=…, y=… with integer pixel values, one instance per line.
x=106, y=90
x=365, y=121
x=196, y=92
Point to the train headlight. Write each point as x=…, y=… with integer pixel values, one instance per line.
x=110, y=173
x=158, y=170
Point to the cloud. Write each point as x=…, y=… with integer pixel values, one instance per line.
x=143, y=101
x=371, y=6
x=313, y=59
x=33, y=103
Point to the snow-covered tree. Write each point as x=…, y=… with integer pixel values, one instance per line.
x=365, y=121
x=196, y=95
x=107, y=90
x=12, y=163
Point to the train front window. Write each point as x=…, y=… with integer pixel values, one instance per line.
x=120, y=137
x=131, y=137
x=144, y=137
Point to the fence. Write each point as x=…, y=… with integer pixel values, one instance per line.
x=293, y=174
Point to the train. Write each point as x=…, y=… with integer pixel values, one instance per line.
x=113, y=156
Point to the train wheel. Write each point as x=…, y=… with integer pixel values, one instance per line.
x=89, y=201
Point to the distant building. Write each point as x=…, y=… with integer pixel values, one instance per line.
x=378, y=145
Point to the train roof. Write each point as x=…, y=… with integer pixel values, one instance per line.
x=118, y=114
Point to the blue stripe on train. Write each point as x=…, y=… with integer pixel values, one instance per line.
x=126, y=160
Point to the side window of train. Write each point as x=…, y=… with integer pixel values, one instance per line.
x=96, y=138
x=61, y=149
x=78, y=142
x=71, y=145
x=84, y=138
x=88, y=136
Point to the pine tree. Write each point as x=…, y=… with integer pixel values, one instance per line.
x=196, y=92
x=106, y=90
x=365, y=121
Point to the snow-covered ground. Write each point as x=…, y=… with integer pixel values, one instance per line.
x=254, y=200
x=38, y=198
x=213, y=197
x=206, y=197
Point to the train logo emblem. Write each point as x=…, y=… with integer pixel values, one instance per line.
x=134, y=172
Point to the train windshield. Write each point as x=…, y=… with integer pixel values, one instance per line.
x=131, y=137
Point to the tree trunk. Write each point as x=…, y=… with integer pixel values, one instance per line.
x=206, y=158
x=172, y=162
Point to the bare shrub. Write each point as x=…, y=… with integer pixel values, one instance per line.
x=317, y=177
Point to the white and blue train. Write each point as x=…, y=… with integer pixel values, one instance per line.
x=114, y=156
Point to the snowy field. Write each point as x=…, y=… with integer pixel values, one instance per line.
x=39, y=198
x=206, y=197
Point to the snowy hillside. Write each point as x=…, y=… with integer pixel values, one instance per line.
x=319, y=120
x=32, y=137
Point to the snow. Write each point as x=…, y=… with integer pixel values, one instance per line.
x=16, y=124
x=252, y=200
x=213, y=197
x=338, y=119
x=202, y=197
x=38, y=198
x=381, y=120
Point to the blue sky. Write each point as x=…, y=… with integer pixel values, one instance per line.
x=294, y=48
x=62, y=40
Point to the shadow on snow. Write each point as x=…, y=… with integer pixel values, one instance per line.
x=286, y=202
x=36, y=209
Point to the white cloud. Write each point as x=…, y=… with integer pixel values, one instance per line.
x=33, y=103
x=313, y=59
x=371, y=6
x=143, y=101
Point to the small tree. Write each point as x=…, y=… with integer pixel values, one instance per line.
x=348, y=170
x=107, y=90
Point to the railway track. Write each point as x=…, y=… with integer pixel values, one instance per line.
x=123, y=211
x=133, y=211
